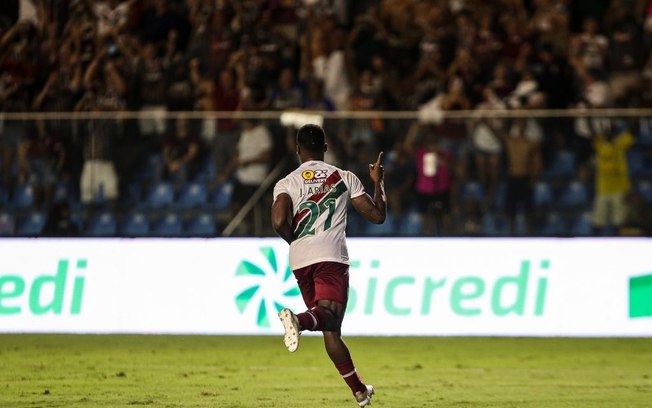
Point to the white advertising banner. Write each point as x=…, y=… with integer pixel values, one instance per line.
x=493, y=287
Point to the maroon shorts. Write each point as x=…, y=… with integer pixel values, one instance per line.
x=323, y=281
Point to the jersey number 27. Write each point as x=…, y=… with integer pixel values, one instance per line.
x=315, y=211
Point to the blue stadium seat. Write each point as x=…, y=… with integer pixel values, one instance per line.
x=62, y=192
x=411, y=224
x=500, y=198
x=543, y=194
x=201, y=225
x=574, y=195
x=7, y=224
x=132, y=195
x=382, y=230
x=582, y=225
x=192, y=195
x=168, y=226
x=554, y=225
x=472, y=191
x=4, y=196
x=562, y=166
x=207, y=172
x=152, y=169
x=23, y=196
x=636, y=163
x=494, y=225
x=645, y=132
x=77, y=218
x=160, y=195
x=520, y=225
x=223, y=195
x=356, y=226
x=102, y=225
x=135, y=224
x=644, y=188
x=33, y=224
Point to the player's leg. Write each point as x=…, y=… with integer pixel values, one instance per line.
x=294, y=324
x=339, y=353
x=331, y=291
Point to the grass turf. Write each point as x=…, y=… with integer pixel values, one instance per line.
x=231, y=371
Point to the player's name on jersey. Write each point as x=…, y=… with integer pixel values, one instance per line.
x=318, y=189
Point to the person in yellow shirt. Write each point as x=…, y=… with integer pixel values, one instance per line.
x=612, y=180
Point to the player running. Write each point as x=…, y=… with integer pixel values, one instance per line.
x=309, y=212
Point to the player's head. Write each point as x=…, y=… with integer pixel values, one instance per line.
x=311, y=142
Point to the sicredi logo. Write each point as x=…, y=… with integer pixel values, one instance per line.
x=48, y=293
x=517, y=294
x=273, y=284
x=640, y=296
x=520, y=293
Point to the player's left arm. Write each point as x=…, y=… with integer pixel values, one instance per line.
x=281, y=210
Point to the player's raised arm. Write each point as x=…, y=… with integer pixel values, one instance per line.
x=281, y=210
x=374, y=209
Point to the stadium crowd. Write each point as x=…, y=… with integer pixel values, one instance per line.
x=479, y=175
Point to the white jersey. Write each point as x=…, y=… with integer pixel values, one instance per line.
x=320, y=195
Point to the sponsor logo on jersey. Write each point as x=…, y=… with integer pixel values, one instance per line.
x=313, y=176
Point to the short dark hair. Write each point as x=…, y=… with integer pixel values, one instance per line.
x=311, y=138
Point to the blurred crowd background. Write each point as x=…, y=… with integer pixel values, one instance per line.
x=501, y=166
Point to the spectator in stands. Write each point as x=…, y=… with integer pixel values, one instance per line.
x=487, y=144
x=501, y=83
x=152, y=82
x=228, y=96
x=434, y=179
x=429, y=77
x=549, y=23
x=330, y=67
x=524, y=166
x=182, y=153
x=400, y=174
x=99, y=179
x=17, y=74
x=63, y=83
x=111, y=16
x=315, y=98
x=590, y=49
x=486, y=44
x=515, y=39
x=159, y=18
x=204, y=91
x=612, y=179
x=594, y=94
x=105, y=91
x=41, y=157
x=250, y=165
x=288, y=93
x=452, y=132
x=179, y=93
x=464, y=68
x=626, y=52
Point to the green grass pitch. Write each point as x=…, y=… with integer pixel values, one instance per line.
x=233, y=371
